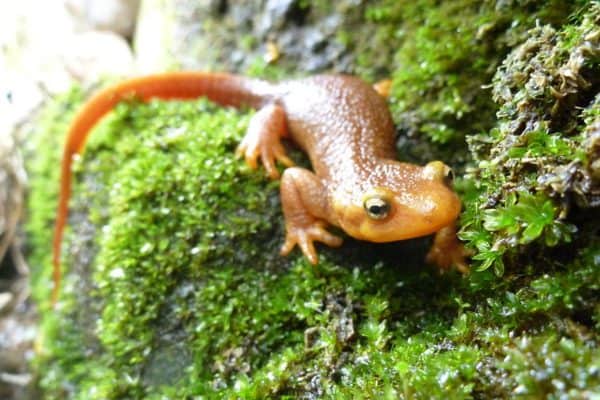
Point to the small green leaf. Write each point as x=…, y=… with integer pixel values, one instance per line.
x=532, y=232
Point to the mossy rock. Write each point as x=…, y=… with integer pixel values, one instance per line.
x=175, y=288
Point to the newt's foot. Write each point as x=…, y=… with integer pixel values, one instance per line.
x=263, y=139
x=447, y=251
x=383, y=87
x=304, y=236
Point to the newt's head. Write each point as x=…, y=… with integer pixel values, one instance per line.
x=398, y=201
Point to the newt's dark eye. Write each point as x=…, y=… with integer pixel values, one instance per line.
x=449, y=177
x=376, y=207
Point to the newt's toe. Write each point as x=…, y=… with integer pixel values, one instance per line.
x=447, y=252
x=250, y=154
x=305, y=237
x=449, y=255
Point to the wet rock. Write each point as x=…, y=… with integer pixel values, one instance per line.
x=235, y=36
x=5, y=299
x=152, y=29
x=92, y=54
x=52, y=59
x=275, y=15
x=118, y=16
x=18, y=331
x=12, y=187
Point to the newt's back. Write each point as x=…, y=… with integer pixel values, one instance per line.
x=338, y=119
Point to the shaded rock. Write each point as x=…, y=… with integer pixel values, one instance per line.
x=54, y=58
x=118, y=16
x=233, y=36
x=18, y=330
x=93, y=54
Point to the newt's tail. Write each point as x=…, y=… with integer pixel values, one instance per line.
x=224, y=89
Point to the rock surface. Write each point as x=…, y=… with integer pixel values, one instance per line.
x=236, y=36
x=117, y=16
x=173, y=256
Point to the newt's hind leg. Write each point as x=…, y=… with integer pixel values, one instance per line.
x=263, y=139
x=305, y=209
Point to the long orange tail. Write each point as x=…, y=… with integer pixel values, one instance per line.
x=224, y=89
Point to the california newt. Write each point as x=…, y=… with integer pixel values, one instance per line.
x=346, y=129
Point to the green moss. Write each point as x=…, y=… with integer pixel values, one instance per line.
x=534, y=169
x=445, y=52
x=567, y=357
x=259, y=68
x=190, y=298
x=523, y=219
x=175, y=288
x=53, y=121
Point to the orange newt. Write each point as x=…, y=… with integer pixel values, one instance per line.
x=346, y=129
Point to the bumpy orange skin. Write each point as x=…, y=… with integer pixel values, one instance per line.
x=346, y=129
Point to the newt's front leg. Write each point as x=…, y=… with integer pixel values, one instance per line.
x=447, y=251
x=304, y=203
x=263, y=139
x=302, y=194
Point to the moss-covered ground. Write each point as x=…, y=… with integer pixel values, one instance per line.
x=175, y=288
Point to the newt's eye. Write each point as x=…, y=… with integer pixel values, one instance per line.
x=377, y=207
x=449, y=177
